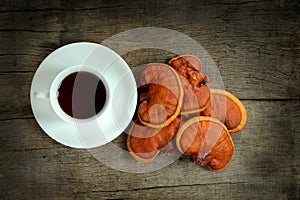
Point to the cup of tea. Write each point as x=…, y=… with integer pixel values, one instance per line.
x=83, y=95
x=79, y=92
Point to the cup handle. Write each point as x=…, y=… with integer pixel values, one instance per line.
x=41, y=95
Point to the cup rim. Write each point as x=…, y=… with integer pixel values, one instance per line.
x=53, y=92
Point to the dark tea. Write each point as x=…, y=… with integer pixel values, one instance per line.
x=81, y=95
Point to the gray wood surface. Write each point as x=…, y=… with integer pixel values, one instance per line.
x=255, y=45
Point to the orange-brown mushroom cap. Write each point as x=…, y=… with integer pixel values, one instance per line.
x=208, y=142
x=144, y=142
x=188, y=61
x=162, y=95
x=227, y=108
x=196, y=92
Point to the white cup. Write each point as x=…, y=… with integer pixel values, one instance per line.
x=110, y=121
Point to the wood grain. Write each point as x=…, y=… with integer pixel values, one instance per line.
x=256, y=51
x=14, y=101
x=256, y=46
x=265, y=159
x=15, y=89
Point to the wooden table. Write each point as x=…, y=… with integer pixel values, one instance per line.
x=255, y=45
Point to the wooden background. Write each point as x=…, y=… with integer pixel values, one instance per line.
x=256, y=47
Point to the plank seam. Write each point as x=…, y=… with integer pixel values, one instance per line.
x=62, y=10
x=162, y=187
x=16, y=118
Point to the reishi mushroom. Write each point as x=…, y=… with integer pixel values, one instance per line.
x=196, y=92
x=170, y=95
x=227, y=108
x=162, y=95
x=144, y=143
x=207, y=141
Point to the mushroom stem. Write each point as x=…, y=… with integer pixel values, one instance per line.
x=198, y=160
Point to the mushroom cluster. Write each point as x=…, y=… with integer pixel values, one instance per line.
x=176, y=106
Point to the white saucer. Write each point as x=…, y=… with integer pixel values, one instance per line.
x=120, y=106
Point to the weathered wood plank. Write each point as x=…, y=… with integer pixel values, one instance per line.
x=36, y=6
x=144, y=13
x=255, y=48
x=15, y=88
x=204, y=191
x=14, y=98
x=265, y=164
